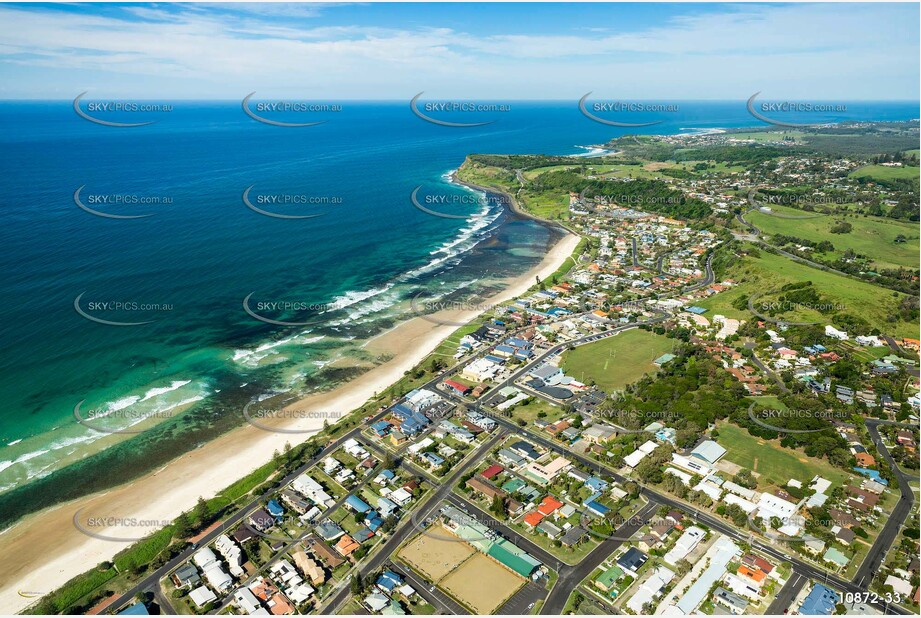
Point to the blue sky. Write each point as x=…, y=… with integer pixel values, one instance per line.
x=474, y=51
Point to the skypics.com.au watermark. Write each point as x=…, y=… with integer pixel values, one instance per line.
x=784, y=306
x=779, y=420
x=117, y=309
x=780, y=108
x=257, y=309
x=625, y=418
x=288, y=113
x=99, y=204
x=117, y=528
x=94, y=418
x=263, y=417
x=609, y=108
x=771, y=199
x=430, y=110
x=764, y=310
x=441, y=205
x=269, y=204
x=106, y=112
x=428, y=309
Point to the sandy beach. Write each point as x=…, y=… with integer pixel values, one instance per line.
x=49, y=550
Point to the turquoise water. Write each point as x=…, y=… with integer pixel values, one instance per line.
x=355, y=267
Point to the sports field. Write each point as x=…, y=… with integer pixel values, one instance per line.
x=775, y=465
x=436, y=552
x=870, y=236
x=616, y=361
x=482, y=584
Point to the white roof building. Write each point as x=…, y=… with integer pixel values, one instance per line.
x=771, y=506
x=741, y=587
x=720, y=554
x=232, y=554
x=709, y=451
x=831, y=331
x=300, y=593
x=204, y=557
x=217, y=577
x=899, y=586
x=400, y=496
x=202, y=596
x=684, y=476
x=684, y=545
x=650, y=588
x=420, y=445
x=819, y=484
x=694, y=466
x=748, y=494
x=712, y=491
x=634, y=458
x=244, y=599
x=311, y=490
x=742, y=503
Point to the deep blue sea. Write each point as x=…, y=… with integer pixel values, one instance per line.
x=348, y=274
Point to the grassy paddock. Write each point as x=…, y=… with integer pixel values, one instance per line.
x=870, y=236
x=883, y=172
x=775, y=465
x=755, y=276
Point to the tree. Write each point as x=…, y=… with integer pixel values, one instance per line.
x=201, y=510
x=498, y=506
x=183, y=526
x=577, y=600
x=356, y=585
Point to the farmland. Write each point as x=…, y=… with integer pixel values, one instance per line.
x=757, y=275
x=871, y=236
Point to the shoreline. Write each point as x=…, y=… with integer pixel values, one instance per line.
x=50, y=550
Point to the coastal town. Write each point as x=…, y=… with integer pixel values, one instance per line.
x=651, y=430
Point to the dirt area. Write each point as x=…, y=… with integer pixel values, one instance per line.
x=435, y=553
x=728, y=467
x=482, y=584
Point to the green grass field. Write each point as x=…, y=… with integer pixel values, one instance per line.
x=616, y=361
x=550, y=205
x=775, y=464
x=530, y=411
x=883, y=172
x=767, y=136
x=870, y=236
x=755, y=276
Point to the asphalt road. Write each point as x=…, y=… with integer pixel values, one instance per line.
x=571, y=576
x=151, y=582
x=432, y=595
x=890, y=531
x=410, y=526
x=799, y=566
x=786, y=595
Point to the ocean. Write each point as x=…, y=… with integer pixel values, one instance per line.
x=178, y=270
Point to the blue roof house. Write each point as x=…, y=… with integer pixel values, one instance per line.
x=274, y=509
x=820, y=602
x=357, y=504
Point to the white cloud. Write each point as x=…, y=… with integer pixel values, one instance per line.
x=217, y=51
